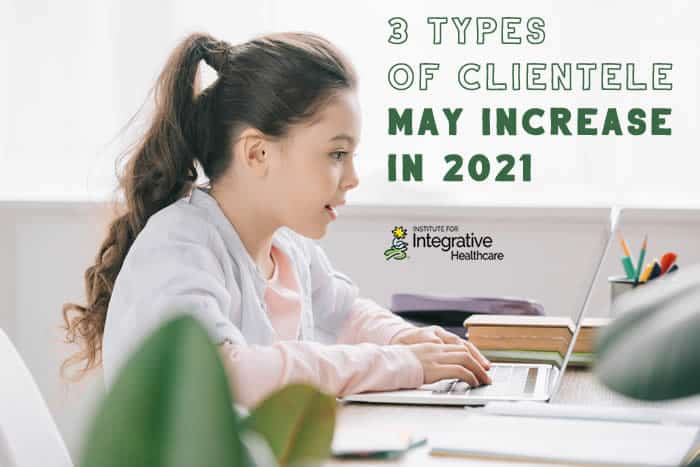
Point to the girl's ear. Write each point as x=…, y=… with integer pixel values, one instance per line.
x=255, y=154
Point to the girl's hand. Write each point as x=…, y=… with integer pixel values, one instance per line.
x=437, y=335
x=448, y=361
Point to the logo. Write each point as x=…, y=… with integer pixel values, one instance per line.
x=445, y=238
x=398, y=247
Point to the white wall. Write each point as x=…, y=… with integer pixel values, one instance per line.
x=550, y=253
x=46, y=248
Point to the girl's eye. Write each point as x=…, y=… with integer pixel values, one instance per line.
x=339, y=155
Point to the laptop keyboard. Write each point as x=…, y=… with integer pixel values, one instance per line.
x=506, y=379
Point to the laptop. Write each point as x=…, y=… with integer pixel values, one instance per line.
x=511, y=381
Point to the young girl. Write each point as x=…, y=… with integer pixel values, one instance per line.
x=274, y=135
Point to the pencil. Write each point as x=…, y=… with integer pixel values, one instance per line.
x=626, y=260
x=647, y=271
x=640, y=262
x=624, y=246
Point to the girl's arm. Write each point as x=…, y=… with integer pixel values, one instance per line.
x=340, y=315
x=255, y=371
x=170, y=270
x=370, y=322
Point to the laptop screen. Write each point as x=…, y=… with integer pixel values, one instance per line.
x=604, y=246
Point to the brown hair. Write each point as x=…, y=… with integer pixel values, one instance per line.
x=268, y=83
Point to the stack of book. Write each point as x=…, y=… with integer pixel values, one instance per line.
x=532, y=339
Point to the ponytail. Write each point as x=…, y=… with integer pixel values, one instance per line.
x=161, y=171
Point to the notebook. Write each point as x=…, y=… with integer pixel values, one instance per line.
x=550, y=440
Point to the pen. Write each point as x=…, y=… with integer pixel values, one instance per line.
x=626, y=260
x=640, y=262
x=414, y=442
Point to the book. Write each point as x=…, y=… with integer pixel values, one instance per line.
x=519, y=338
x=578, y=359
x=565, y=441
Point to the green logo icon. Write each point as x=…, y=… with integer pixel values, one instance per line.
x=398, y=247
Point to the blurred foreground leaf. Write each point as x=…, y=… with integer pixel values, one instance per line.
x=652, y=351
x=170, y=406
x=298, y=423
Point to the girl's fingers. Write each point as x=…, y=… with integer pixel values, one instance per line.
x=457, y=371
x=465, y=359
x=447, y=337
x=478, y=355
x=431, y=338
x=452, y=348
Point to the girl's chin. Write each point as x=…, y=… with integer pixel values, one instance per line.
x=314, y=232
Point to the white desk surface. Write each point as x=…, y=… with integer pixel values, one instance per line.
x=578, y=387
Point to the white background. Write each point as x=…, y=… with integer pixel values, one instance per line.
x=75, y=72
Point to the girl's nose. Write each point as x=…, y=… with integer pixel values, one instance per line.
x=350, y=179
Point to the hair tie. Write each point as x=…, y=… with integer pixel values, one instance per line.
x=216, y=54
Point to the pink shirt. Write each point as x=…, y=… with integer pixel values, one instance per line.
x=362, y=360
x=282, y=298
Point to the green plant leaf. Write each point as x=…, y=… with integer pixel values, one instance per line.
x=170, y=406
x=298, y=423
x=652, y=351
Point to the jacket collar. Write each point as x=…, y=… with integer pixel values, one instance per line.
x=200, y=197
x=254, y=330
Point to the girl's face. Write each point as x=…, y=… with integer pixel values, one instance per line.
x=311, y=169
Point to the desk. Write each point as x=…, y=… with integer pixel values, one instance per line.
x=578, y=387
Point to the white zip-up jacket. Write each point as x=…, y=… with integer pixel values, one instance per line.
x=190, y=259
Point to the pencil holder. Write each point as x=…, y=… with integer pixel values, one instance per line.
x=620, y=285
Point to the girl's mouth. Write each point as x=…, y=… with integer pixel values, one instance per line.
x=331, y=212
